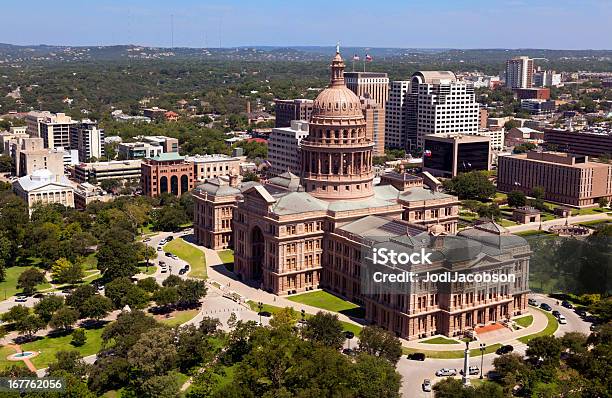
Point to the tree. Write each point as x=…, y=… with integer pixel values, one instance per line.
x=373, y=377
x=232, y=320
x=64, y=318
x=148, y=284
x=164, y=386
x=191, y=291
x=284, y=318
x=96, y=307
x=126, y=330
x=79, y=295
x=538, y=193
x=64, y=271
x=324, y=328
x=166, y=296
x=6, y=164
x=379, y=342
x=30, y=325
x=48, y=305
x=16, y=314
x=169, y=218
x=123, y=292
x=516, y=199
x=69, y=361
x=471, y=185
x=29, y=279
x=153, y=354
x=78, y=337
x=209, y=325
x=545, y=348
x=602, y=202
x=112, y=264
x=250, y=176
x=172, y=281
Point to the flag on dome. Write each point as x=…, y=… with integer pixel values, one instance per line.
x=368, y=58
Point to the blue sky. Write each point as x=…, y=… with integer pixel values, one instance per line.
x=561, y=24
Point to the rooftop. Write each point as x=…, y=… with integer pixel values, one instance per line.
x=167, y=157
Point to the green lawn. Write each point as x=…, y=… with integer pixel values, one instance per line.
x=90, y=262
x=143, y=269
x=227, y=256
x=351, y=327
x=550, y=328
x=532, y=232
x=506, y=223
x=451, y=354
x=524, y=321
x=327, y=301
x=193, y=256
x=5, y=363
x=8, y=287
x=440, y=340
x=180, y=317
x=48, y=346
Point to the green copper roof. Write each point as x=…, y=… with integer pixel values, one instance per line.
x=168, y=156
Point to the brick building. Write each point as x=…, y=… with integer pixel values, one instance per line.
x=167, y=172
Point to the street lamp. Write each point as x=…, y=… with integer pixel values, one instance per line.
x=482, y=350
x=260, y=306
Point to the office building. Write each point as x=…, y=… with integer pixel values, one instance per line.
x=166, y=173
x=85, y=193
x=113, y=170
x=374, y=85
x=138, y=150
x=44, y=187
x=496, y=138
x=55, y=130
x=538, y=107
x=88, y=140
x=31, y=155
x=447, y=155
x=291, y=235
x=594, y=142
x=284, y=147
x=168, y=144
x=212, y=166
x=154, y=113
x=287, y=110
x=566, y=178
x=396, y=130
x=439, y=103
x=374, y=115
x=519, y=72
x=10, y=138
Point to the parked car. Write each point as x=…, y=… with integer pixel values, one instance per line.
x=21, y=299
x=581, y=313
x=168, y=254
x=145, y=240
x=164, y=270
x=169, y=238
x=182, y=271
x=427, y=385
x=505, y=349
x=533, y=302
x=159, y=248
x=493, y=375
x=545, y=307
x=561, y=319
x=556, y=313
x=186, y=267
x=567, y=304
x=417, y=356
x=472, y=370
x=446, y=372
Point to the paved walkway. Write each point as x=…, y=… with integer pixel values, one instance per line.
x=27, y=361
x=558, y=221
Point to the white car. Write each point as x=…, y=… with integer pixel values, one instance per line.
x=21, y=299
x=446, y=372
x=562, y=320
x=427, y=385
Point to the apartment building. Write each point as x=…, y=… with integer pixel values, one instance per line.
x=212, y=166
x=55, y=130
x=519, y=72
x=374, y=115
x=287, y=110
x=374, y=85
x=88, y=140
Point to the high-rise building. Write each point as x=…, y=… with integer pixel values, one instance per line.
x=88, y=139
x=439, y=103
x=519, y=72
x=33, y=119
x=546, y=78
x=166, y=173
x=287, y=110
x=395, y=115
x=284, y=147
x=374, y=85
x=55, y=130
x=374, y=116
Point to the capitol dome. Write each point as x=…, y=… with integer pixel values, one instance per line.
x=337, y=100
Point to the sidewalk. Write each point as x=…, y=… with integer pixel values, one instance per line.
x=559, y=221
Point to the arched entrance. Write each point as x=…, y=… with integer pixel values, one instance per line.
x=257, y=253
x=184, y=183
x=174, y=187
x=163, y=184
